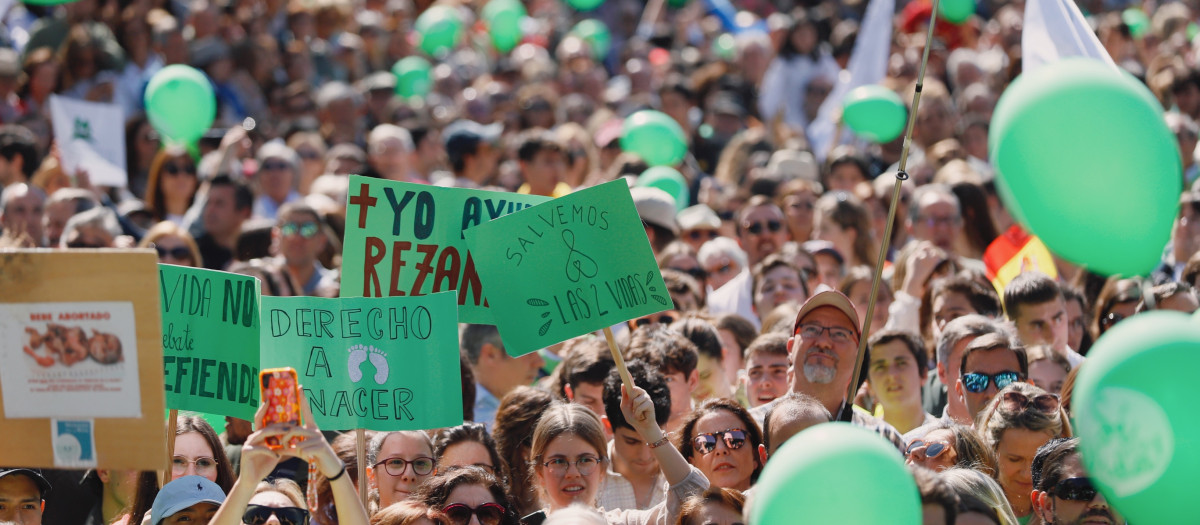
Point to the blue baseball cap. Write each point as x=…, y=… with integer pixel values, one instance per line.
x=183, y=493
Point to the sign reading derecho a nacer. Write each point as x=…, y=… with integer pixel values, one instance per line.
x=373, y=363
x=210, y=340
x=568, y=267
x=406, y=240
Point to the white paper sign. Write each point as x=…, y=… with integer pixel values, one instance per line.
x=74, y=443
x=69, y=360
x=91, y=136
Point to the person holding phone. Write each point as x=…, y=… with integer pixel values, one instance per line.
x=250, y=503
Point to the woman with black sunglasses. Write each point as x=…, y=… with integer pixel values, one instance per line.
x=171, y=185
x=468, y=495
x=254, y=502
x=721, y=439
x=1021, y=418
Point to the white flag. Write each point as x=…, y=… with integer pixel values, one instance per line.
x=90, y=136
x=1055, y=29
x=868, y=65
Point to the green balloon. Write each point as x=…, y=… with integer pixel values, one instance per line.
x=497, y=8
x=956, y=11
x=413, y=77
x=725, y=47
x=1135, y=416
x=669, y=180
x=440, y=30
x=584, y=5
x=180, y=103
x=1137, y=21
x=1080, y=124
x=505, y=31
x=836, y=473
x=654, y=137
x=875, y=113
x=597, y=36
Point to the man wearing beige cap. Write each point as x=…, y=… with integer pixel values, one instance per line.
x=823, y=350
x=698, y=225
x=657, y=210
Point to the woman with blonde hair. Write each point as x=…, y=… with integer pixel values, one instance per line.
x=973, y=483
x=1021, y=418
x=173, y=244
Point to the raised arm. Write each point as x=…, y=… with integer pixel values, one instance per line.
x=639, y=412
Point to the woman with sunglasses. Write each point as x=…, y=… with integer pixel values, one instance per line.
x=570, y=452
x=721, y=439
x=948, y=445
x=1117, y=300
x=173, y=244
x=468, y=495
x=1021, y=418
x=171, y=185
x=252, y=501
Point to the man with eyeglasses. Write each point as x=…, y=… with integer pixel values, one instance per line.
x=935, y=216
x=22, y=496
x=761, y=228
x=824, y=348
x=298, y=239
x=1062, y=492
x=989, y=363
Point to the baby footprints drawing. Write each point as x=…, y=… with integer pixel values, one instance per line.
x=363, y=353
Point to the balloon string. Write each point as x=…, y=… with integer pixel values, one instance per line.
x=901, y=176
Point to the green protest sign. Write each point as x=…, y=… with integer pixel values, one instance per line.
x=210, y=340
x=568, y=267
x=374, y=363
x=405, y=239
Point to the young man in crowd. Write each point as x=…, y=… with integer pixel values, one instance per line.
x=22, y=495
x=1062, y=491
x=633, y=480
x=990, y=363
x=675, y=358
x=1035, y=304
x=497, y=373
x=766, y=369
x=582, y=373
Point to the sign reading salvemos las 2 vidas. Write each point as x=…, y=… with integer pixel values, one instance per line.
x=406, y=240
x=389, y=363
x=210, y=340
x=568, y=267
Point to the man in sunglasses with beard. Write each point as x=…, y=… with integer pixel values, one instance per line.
x=823, y=349
x=1062, y=492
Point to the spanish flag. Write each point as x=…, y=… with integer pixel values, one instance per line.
x=1014, y=252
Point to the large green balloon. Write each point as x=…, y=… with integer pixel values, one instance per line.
x=1136, y=20
x=836, y=473
x=669, y=180
x=875, y=113
x=440, y=29
x=956, y=11
x=597, y=36
x=584, y=5
x=503, y=18
x=1086, y=162
x=180, y=103
x=1134, y=407
x=413, y=78
x=654, y=137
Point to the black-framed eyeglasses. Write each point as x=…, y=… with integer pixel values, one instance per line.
x=307, y=230
x=173, y=168
x=758, y=227
x=976, y=382
x=1074, y=489
x=460, y=513
x=734, y=439
x=931, y=450
x=259, y=514
x=585, y=464
x=813, y=331
x=422, y=466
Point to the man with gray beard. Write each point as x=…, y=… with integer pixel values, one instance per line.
x=823, y=348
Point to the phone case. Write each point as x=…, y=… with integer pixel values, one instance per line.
x=281, y=396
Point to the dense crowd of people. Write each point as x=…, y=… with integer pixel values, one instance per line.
x=769, y=254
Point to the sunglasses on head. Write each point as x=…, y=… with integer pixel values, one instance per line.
x=176, y=169
x=757, y=228
x=307, y=230
x=460, y=514
x=734, y=439
x=259, y=514
x=644, y=321
x=178, y=252
x=976, y=382
x=1016, y=402
x=932, y=450
x=1074, y=489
